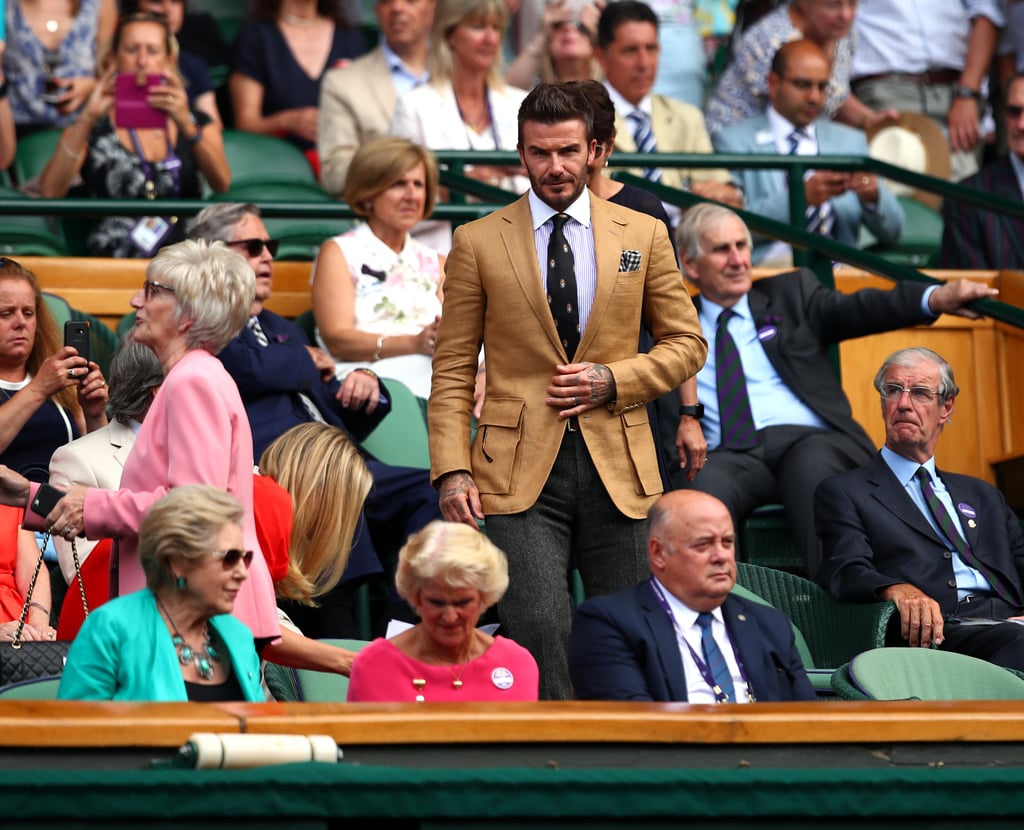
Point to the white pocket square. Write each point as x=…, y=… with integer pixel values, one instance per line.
x=629, y=261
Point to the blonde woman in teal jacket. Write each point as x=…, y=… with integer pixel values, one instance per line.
x=174, y=640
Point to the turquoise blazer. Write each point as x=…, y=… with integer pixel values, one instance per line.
x=124, y=652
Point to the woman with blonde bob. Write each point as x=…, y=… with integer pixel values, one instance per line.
x=175, y=639
x=328, y=482
x=450, y=574
x=376, y=289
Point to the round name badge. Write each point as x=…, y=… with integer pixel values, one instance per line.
x=502, y=678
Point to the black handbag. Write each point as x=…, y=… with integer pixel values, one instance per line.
x=21, y=661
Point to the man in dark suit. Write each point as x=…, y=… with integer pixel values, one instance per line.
x=801, y=428
x=283, y=382
x=973, y=237
x=650, y=641
x=944, y=547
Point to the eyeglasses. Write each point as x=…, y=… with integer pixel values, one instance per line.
x=230, y=558
x=254, y=247
x=151, y=288
x=918, y=394
x=806, y=84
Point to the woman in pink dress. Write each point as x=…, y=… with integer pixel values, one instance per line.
x=450, y=574
x=195, y=299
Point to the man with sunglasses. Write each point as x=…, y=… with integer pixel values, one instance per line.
x=973, y=237
x=945, y=548
x=283, y=382
x=838, y=203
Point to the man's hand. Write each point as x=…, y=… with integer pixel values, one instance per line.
x=693, y=448
x=964, y=125
x=825, y=185
x=920, y=616
x=323, y=362
x=952, y=298
x=725, y=192
x=13, y=488
x=865, y=185
x=359, y=390
x=580, y=386
x=459, y=499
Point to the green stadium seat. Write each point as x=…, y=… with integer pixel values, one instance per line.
x=27, y=234
x=401, y=438
x=305, y=685
x=264, y=158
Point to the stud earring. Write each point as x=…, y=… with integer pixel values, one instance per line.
x=180, y=583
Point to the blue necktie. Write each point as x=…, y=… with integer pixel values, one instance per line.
x=713, y=657
x=643, y=136
x=819, y=217
x=736, y=421
x=949, y=529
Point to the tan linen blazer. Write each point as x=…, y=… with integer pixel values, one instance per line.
x=495, y=297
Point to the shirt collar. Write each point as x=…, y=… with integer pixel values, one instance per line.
x=624, y=107
x=398, y=65
x=904, y=468
x=541, y=211
x=709, y=311
x=685, y=616
x=782, y=128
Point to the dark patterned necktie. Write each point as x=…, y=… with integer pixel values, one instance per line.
x=562, y=286
x=819, y=217
x=257, y=330
x=714, y=658
x=949, y=530
x=737, y=421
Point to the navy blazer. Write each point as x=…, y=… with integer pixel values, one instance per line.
x=808, y=318
x=623, y=647
x=874, y=536
x=271, y=377
x=973, y=237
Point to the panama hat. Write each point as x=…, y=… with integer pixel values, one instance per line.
x=916, y=142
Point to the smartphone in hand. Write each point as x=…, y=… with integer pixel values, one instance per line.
x=46, y=499
x=130, y=107
x=76, y=333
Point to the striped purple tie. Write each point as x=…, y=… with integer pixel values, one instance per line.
x=737, y=421
x=949, y=530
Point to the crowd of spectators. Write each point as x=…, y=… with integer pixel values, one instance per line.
x=140, y=115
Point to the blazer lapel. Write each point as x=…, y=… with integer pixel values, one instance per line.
x=667, y=643
x=607, y=228
x=893, y=498
x=749, y=644
x=122, y=439
x=380, y=86
x=522, y=256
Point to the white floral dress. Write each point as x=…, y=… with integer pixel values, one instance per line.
x=395, y=294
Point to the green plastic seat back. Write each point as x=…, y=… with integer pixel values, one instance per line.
x=928, y=674
x=311, y=686
x=801, y=643
x=43, y=688
x=401, y=438
x=264, y=158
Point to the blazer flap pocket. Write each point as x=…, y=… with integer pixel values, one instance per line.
x=502, y=412
x=635, y=417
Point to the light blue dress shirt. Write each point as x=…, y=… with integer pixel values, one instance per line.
x=968, y=580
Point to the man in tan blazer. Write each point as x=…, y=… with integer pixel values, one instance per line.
x=357, y=102
x=563, y=463
x=628, y=52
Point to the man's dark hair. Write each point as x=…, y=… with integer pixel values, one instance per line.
x=622, y=11
x=601, y=107
x=554, y=103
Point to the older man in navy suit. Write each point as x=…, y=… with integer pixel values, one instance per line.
x=680, y=635
x=838, y=203
x=944, y=547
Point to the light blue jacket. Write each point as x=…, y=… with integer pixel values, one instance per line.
x=767, y=193
x=124, y=652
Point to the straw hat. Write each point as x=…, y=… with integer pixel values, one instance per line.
x=916, y=142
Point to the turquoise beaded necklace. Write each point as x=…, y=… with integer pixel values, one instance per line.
x=203, y=658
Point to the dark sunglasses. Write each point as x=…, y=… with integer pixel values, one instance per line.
x=230, y=558
x=254, y=247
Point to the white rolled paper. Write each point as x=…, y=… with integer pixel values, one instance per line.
x=214, y=750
